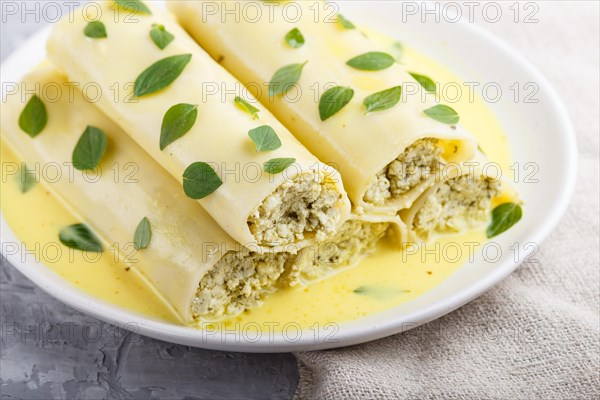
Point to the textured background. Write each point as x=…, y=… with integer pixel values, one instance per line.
x=51, y=351
x=45, y=353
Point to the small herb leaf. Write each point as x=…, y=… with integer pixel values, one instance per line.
x=143, y=234
x=95, y=30
x=346, y=24
x=246, y=107
x=397, y=50
x=134, y=5
x=160, y=74
x=80, y=237
x=265, y=138
x=27, y=178
x=277, y=165
x=200, y=180
x=379, y=292
x=504, y=217
x=294, y=38
x=160, y=36
x=372, y=61
x=89, y=149
x=34, y=117
x=443, y=113
x=425, y=81
x=333, y=100
x=178, y=120
x=285, y=78
x=383, y=100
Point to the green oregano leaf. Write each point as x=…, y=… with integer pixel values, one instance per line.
x=89, y=149
x=383, y=100
x=333, y=100
x=504, y=217
x=294, y=38
x=425, y=81
x=178, y=120
x=285, y=78
x=160, y=36
x=397, y=50
x=265, y=138
x=95, y=30
x=27, y=178
x=80, y=237
x=277, y=165
x=134, y=5
x=160, y=74
x=143, y=234
x=34, y=116
x=372, y=61
x=346, y=24
x=200, y=180
x=379, y=292
x=443, y=113
x=246, y=107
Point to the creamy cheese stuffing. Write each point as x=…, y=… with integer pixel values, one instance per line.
x=238, y=281
x=241, y=279
x=304, y=205
x=354, y=240
x=419, y=161
x=458, y=204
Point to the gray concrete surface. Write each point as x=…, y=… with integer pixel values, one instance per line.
x=51, y=351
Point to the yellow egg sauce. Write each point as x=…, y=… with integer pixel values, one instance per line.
x=381, y=281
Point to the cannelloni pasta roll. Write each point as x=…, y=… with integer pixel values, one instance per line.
x=249, y=173
x=189, y=259
x=185, y=241
x=336, y=91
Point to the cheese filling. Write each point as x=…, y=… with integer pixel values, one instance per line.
x=303, y=206
x=241, y=279
x=354, y=240
x=458, y=204
x=411, y=168
x=238, y=281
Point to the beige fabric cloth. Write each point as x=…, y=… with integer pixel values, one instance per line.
x=536, y=335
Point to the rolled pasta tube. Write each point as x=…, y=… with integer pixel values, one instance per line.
x=460, y=201
x=387, y=158
x=257, y=203
x=185, y=241
x=191, y=261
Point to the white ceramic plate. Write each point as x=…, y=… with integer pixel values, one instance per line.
x=539, y=133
